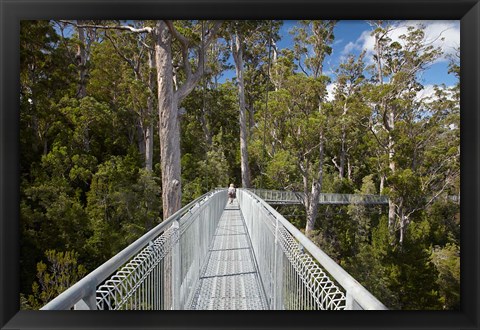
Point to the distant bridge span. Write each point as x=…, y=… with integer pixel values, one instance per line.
x=276, y=197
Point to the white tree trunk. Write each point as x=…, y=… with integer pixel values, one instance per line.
x=150, y=112
x=81, y=58
x=391, y=153
x=238, y=57
x=169, y=131
x=343, y=149
x=312, y=209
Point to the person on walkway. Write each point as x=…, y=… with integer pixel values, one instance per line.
x=231, y=193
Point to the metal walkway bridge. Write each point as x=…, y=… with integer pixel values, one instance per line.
x=215, y=255
x=293, y=197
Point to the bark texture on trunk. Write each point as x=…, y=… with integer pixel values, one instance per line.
x=168, y=123
x=238, y=58
x=312, y=208
x=391, y=153
x=81, y=58
x=150, y=111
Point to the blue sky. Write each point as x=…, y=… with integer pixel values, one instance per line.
x=353, y=36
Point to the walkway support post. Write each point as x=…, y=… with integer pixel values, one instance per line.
x=89, y=302
x=176, y=267
x=278, y=280
x=351, y=303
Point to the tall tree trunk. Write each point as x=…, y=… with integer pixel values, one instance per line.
x=169, y=131
x=343, y=151
x=81, y=58
x=251, y=118
x=343, y=155
x=382, y=183
x=391, y=153
x=206, y=130
x=378, y=51
x=149, y=147
x=349, y=170
x=312, y=209
x=140, y=136
x=402, y=224
x=150, y=112
x=238, y=58
x=274, y=62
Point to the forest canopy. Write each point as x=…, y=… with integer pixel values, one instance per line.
x=122, y=122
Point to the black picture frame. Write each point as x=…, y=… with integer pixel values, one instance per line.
x=11, y=11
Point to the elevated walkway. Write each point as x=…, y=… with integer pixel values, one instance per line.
x=211, y=255
x=229, y=278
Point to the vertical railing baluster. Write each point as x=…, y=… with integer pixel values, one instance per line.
x=278, y=270
x=89, y=302
x=176, y=262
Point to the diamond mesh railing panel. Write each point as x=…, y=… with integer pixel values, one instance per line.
x=157, y=271
x=147, y=281
x=137, y=285
x=291, y=278
x=306, y=286
x=295, y=273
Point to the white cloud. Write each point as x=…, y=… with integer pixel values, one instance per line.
x=350, y=47
x=331, y=91
x=428, y=93
x=443, y=34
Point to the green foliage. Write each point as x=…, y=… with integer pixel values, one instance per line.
x=447, y=263
x=444, y=222
x=123, y=203
x=84, y=189
x=59, y=273
x=281, y=170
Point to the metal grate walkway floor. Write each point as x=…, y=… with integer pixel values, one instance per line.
x=229, y=279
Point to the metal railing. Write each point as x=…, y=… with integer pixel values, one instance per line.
x=157, y=271
x=293, y=197
x=296, y=274
x=161, y=269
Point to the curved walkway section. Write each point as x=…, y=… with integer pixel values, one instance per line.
x=229, y=278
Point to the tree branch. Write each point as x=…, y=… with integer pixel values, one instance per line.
x=192, y=79
x=376, y=137
x=122, y=55
x=146, y=29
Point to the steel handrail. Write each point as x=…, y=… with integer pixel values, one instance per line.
x=297, y=197
x=89, y=283
x=352, y=287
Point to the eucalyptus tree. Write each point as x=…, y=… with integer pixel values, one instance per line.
x=314, y=37
x=397, y=110
x=259, y=56
x=216, y=61
x=294, y=124
x=46, y=75
x=136, y=52
x=86, y=38
x=240, y=30
x=251, y=44
x=298, y=113
x=174, y=83
x=350, y=109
